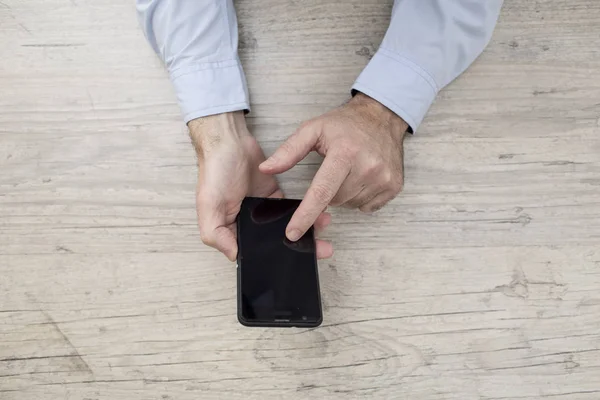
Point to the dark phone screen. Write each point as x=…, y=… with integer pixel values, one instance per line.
x=278, y=278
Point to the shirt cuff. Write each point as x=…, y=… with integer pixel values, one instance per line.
x=211, y=88
x=399, y=84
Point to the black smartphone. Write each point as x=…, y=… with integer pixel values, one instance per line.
x=278, y=281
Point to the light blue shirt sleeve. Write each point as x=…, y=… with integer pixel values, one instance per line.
x=428, y=44
x=197, y=40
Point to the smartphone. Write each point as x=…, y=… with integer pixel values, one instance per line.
x=278, y=281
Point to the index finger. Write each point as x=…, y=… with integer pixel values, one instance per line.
x=328, y=179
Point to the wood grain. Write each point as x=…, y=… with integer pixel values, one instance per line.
x=481, y=281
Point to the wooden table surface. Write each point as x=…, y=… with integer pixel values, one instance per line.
x=481, y=281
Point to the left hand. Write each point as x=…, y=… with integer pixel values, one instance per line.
x=363, y=166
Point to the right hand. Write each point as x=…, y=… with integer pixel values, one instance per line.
x=228, y=160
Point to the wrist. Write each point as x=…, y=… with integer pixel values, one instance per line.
x=214, y=131
x=380, y=112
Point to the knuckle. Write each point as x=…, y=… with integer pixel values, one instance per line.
x=386, y=177
x=347, y=150
x=373, y=167
x=367, y=209
x=207, y=239
x=322, y=193
x=341, y=161
x=287, y=147
x=373, y=208
x=377, y=207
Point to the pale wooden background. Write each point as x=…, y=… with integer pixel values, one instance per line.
x=482, y=281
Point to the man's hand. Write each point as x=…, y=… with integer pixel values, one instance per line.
x=228, y=159
x=363, y=166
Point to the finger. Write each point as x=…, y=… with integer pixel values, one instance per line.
x=214, y=229
x=350, y=189
x=378, y=202
x=226, y=242
x=328, y=179
x=365, y=196
x=324, y=249
x=278, y=194
x=322, y=222
x=293, y=150
x=223, y=239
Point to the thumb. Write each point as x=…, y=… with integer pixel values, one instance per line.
x=293, y=150
x=215, y=230
x=226, y=242
x=221, y=238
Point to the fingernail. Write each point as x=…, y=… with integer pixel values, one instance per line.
x=294, y=234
